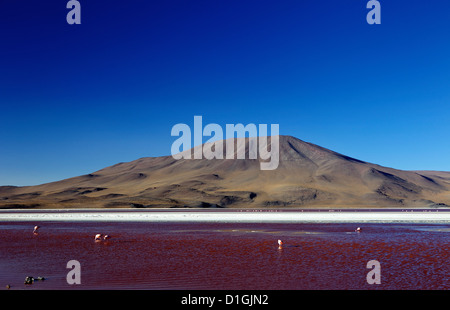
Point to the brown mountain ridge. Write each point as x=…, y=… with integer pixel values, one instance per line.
x=308, y=176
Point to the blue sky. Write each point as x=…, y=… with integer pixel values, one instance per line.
x=77, y=98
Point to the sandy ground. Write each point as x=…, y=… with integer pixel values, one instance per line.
x=228, y=216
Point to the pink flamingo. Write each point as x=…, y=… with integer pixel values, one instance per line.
x=280, y=243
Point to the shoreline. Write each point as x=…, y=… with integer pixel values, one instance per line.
x=230, y=216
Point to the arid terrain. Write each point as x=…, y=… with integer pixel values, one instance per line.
x=308, y=176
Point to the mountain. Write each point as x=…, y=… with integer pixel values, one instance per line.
x=308, y=176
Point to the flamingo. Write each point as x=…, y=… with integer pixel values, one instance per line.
x=280, y=243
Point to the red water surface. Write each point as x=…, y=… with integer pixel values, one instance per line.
x=225, y=256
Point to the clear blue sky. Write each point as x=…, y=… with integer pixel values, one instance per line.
x=77, y=98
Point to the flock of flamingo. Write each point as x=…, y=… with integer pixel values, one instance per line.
x=101, y=237
x=98, y=237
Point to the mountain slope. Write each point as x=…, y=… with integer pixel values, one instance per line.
x=307, y=176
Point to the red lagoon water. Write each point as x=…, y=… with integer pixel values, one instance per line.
x=225, y=256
